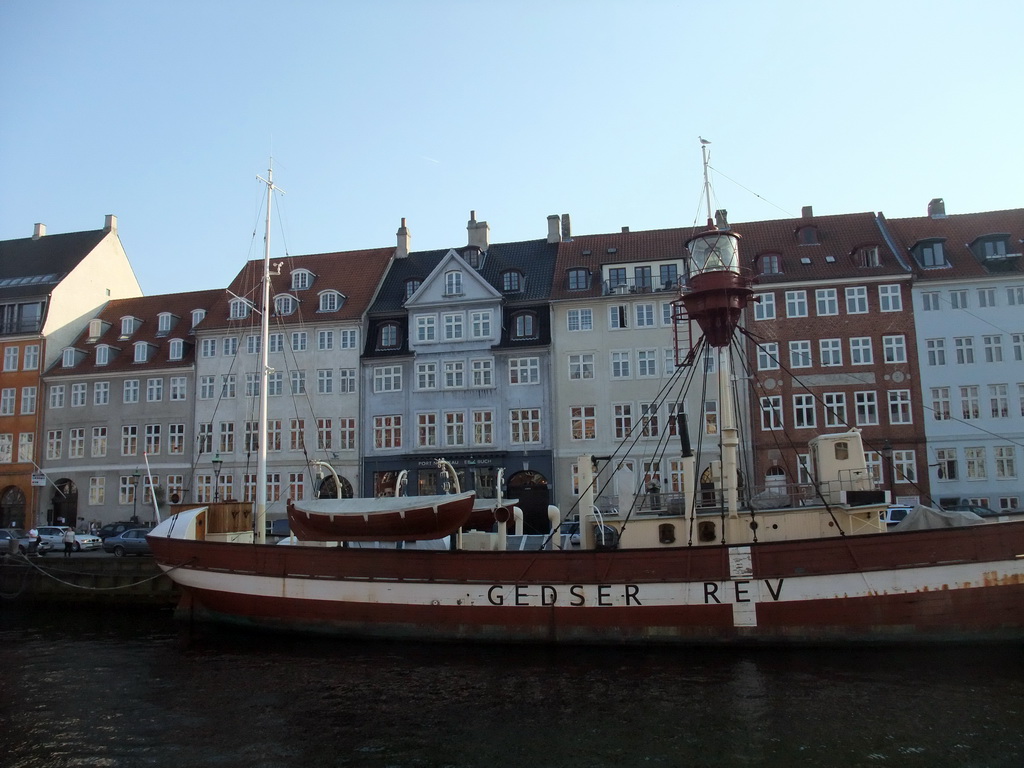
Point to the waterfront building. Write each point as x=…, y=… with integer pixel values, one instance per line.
x=50, y=286
x=457, y=365
x=118, y=428
x=969, y=300
x=317, y=327
x=832, y=346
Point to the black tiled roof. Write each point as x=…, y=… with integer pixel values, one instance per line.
x=50, y=256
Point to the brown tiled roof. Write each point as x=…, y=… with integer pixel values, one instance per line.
x=960, y=230
x=355, y=274
x=146, y=309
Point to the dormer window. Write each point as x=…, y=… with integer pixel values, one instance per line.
x=930, y=253
x=301, y=279
x=197, y=316
x=524, y=325
x=176, y=349
x=129, y=325
x=867, y=256
x=69, y=358
x=102, y=354
x=164, y=323
x=331, y=301
x=96, y=328
x=770, y=264
x=808, y=235
x=474, y=257
x=411, y=286
x=511, y=281
x=453, y=283
x=239, y=309
x=285, y=304
x=992, y=247
x=387, y=336
x=579, y=279
x=142, y=351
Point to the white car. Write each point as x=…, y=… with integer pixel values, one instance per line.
x=55, y=535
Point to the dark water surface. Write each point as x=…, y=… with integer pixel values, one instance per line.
x=127, y=689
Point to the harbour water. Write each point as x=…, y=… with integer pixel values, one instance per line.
x=129, y=688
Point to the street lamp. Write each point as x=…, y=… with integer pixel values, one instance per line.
x=887, y=456
x=135, y=495
x=216, y=461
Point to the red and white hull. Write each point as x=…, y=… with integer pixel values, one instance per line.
x=948, y=585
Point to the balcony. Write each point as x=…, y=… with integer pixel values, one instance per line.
x=632, y=285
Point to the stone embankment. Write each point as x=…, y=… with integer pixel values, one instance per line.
x=98, y=579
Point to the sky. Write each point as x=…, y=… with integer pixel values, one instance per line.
x=164, y=113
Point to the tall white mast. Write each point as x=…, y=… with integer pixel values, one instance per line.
x=261, y=454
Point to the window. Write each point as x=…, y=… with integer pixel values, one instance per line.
x=1015, y=295
x=808, y=235
x=974, y=460
x=175, y=349
x=31, y=359
x=866, y=405
x=889, y=298
x=325, y=381
x=11, y=356
x=581, y=366
x=388, y=336
x=454, y=326
x=480, y=324
x=860, y=351
x=1017, y=340
x=868, y=256
x=999, y=400
x=831, y=352
x=993, y=346
x=583, y=422
x=579, y=279
x=68, y=358
x=324, y=434
x=483, y=373
x=525, y=425
x=131, y=391
x=804, y=416
x=524, y=370
x=253, y=344
x=771, y=263
x=899, y=407
x=411, y=286
x=325, y=340
x=285, y=304
x=771, y=413
x=856, y=300
x=642, y=278
x=387, y=378
x=179, y=388
x=941, y=408
x=622, y=419
x=331, y=301
x=904, y=465
x=947, y=461
x=1006, y=462
x=826, y=301
x=668, y=276
x=835, y=409
x=454, y=428
x=800, y=354
x=964, y=346
x=453, y=283
x=129, y=440
x=796, y=303
x=300, y=341
x=228, y=384
x=197, y=316
x=970, y=407
x=175, y=439
x=620, y=361
x=346, y=380
x=426, y=376
x=894, y=348
x=28, y=398
x=454, y=374
x=298, y=383
x=230, y=346
x=97, y=491
x=206, y=387
x=103, y=355
x=347, y=434
x=764, y=306
x=649, y=424
x=154, y=390
x=958, y=299
x=483, y=427
x=275, y=384
x=275, y=342
x=153, y=439
x=511, y=281
x=301, y=279
x=274, y=435
x=78, y=394
x=936, y=349
x=98, y=447
x=986, y=297
x=57, y=396
x=646, y=363
x=930, y=301
x=711, y=417
x=250, y=439
x=76, y=443
x=644, y=315
x=9, y=394
x=931, y=254
x=617, y=317
x=524, y=325
x=387, y=431
x=239, y=309
x=54, y=444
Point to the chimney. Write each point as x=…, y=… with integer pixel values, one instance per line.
x=807, y=212
x=625, y=230
x=110, y=223
x=566, y=227
x=937, y=209
x=722, y=218
x=404, y=239
x=553, y=234
x=479, y=232
x=39, y=231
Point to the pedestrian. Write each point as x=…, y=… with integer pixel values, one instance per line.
x=69, y=541
x=34, y=541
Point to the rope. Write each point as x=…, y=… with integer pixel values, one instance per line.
x=28, y=561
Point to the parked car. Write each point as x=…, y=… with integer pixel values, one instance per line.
x=130, y=542
x=979, y=511
x=112, y=529
x=55, y=535
x=22, y=541
x=894, y=515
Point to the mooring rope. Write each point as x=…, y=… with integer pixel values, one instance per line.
x=26, y=560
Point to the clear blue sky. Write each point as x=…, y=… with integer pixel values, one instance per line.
x=163, y=113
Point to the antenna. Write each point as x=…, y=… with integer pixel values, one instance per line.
x=707, y=185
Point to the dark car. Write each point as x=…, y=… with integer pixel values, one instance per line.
x=979, y=511
x=112, y=529
x=130, y=542
x=22, y=543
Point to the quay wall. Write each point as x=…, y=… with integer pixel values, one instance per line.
x=85, y=580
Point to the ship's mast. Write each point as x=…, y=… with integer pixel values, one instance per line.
x=261, y=453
